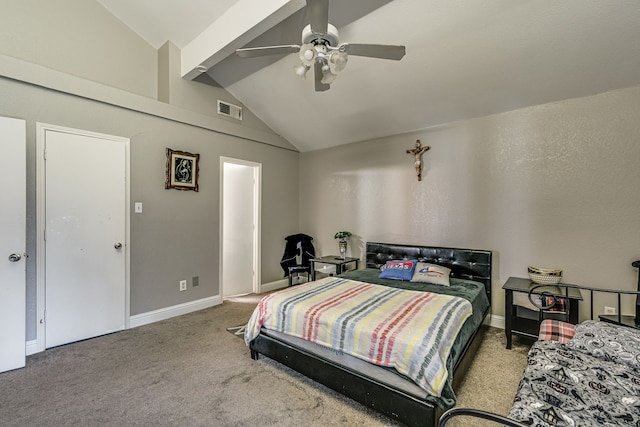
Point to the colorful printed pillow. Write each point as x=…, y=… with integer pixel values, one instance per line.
x=431, y=273
x=608, y=341
x=398, y=270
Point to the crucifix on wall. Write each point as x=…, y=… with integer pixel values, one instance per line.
x=417, y=153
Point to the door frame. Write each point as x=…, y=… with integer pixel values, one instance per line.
x=41, y=131
x=257, y=210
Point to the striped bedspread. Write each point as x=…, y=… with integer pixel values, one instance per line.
x=410, y=331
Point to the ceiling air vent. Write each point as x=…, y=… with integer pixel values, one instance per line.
x=229, y=110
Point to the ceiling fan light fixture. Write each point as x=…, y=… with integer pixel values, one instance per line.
x=301, y=70
x=321, y=48
x=307, y=54
x=337, y=61
x=327, y=76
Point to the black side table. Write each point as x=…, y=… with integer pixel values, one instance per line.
x=524, y=321
x=624, y=320
x=338, y=261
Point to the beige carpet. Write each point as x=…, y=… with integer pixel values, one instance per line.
x=189, y=371
x=492, y=381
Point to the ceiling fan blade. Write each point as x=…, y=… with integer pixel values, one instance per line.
x=318, y=12
x=251, y=52
x=382, y=51
x=317, y=71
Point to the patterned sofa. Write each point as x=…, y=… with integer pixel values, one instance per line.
x=576, y=375
x=582, y=376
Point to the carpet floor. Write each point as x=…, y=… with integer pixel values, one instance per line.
x=190, y=371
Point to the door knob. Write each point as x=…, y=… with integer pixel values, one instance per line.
x=15, y=257
x=117, y=245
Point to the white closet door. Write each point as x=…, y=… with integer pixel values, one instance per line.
x=85, y=236
x=12, y=244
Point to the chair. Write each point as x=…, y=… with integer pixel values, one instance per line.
x=296, y=270
x=298, y=252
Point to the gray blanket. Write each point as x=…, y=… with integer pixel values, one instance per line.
x=565, y=387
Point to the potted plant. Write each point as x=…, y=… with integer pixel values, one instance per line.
x=342, y=237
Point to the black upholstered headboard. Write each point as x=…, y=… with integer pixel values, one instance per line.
x=470, y=264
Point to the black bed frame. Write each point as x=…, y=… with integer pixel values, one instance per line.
x=464, y=264
x=535, y=294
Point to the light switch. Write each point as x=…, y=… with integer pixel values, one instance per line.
x=138, y=207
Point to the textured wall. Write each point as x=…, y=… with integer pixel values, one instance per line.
x=81, y=38
x=177, y=236
x=198, y=96
x=553, y=186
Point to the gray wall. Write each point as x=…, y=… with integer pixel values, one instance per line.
x=199, y=95
x=177, y=236
x=80, y=38
x=552, y=186
x=78, y=66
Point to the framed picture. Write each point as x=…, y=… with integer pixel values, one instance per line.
x=182, y=170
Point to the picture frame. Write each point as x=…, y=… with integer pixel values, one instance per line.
x=182, y=170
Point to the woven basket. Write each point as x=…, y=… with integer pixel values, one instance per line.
x=544, y=278
x=546, y=271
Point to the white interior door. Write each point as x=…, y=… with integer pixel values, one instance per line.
x=239, y=227
x=12, y=244
x=85, y=235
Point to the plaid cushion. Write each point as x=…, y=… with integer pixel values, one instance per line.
x=559, y=306
x=556, y=330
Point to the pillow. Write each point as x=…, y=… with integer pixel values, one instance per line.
x=608, y=341
x=556, y=330
x=398, y=270
x=431, y=273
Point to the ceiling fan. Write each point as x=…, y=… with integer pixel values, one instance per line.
x=321, y=48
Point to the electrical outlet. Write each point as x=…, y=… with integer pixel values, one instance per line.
x=609, y=310
x=183, y=285
x=195, y=281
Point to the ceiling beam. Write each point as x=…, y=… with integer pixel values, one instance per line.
x=243, y=22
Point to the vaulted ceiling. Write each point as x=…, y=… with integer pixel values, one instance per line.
x=465, y=58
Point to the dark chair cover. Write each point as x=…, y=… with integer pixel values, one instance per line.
x=297, y=245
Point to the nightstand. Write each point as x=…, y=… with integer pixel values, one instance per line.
x=624, y=320
x=338, y=261
x=525, y=321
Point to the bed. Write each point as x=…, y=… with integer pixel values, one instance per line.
x=586, y=374
x=400, y=396
x=591, y=379
x=577, y=375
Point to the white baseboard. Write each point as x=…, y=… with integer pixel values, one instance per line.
x=496, y=321
x=173, y=311
x=272, y=286
x=31, y=347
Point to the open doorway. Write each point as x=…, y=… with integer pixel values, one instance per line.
x=239, y=226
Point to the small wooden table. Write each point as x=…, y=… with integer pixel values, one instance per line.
x=524, y=321
x=338, y=261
